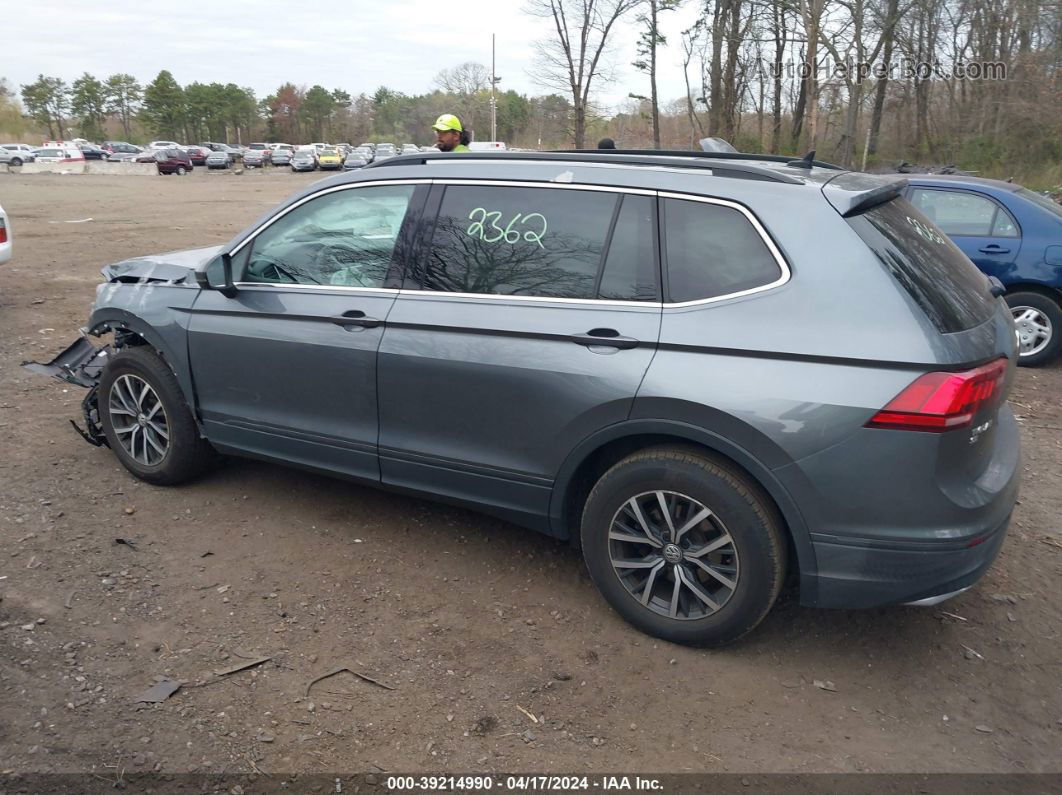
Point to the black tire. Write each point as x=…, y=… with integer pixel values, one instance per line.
x=181, y=171
x=16, y=161
x=187, y=454
x=1052, y=311
x=745, y=513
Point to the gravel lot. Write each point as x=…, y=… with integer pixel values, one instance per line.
x=475, y=624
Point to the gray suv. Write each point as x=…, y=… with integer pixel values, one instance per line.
x=710, y=371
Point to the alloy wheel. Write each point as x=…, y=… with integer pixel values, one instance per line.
x=139, y=420
x=673, y=555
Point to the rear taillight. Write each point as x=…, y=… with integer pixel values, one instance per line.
x=938, y=402
x=3, y=231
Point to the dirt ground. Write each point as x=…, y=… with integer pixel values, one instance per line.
x=475, y=624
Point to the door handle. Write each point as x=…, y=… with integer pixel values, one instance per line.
x=355, y=317
x=604, y=336
x=992, y=248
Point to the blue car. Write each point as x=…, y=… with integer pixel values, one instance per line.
x=1011, y=233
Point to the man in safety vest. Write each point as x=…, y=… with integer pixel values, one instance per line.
x=448, y=134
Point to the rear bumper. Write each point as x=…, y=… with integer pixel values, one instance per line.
x=859, y=574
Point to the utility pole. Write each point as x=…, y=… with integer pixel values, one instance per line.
x=493, y=99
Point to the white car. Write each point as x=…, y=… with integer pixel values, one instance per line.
x=16, y=154
x=5, y=237
x=59, y=152
x=163, y=145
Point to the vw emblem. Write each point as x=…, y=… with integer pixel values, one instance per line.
x=672, y=554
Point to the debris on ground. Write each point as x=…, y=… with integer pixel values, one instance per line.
x=340, y=669
x=825, y=685
x=159, y=692
x=243, y=666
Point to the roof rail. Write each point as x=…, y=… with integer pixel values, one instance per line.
x=686, y=160
x=784, y=159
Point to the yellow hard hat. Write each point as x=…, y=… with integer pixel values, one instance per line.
x=447, y=121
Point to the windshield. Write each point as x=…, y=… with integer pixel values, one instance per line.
x=1038, y=198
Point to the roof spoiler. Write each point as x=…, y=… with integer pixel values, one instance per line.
x=852, y=193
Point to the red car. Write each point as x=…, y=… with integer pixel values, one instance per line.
x=169, y=161
x=197, y=154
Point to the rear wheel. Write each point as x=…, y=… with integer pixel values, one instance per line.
x=684, y=546
x=1038, y=320
x=147, y=422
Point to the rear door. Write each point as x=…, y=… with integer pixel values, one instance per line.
x=977, y=223
x=287, y=367
x=526, y=324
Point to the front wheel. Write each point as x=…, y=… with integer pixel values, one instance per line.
x=683, y=546
x=147, y=422
x=181, y=171
x=16, y=161
x=1038, y=321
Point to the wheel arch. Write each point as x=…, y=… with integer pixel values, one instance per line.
x=132, y=330
x=1046, y=290
x=596, y=454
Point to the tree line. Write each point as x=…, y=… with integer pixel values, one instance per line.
x=98, y=109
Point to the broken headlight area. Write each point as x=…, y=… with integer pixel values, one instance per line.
x=81, y=364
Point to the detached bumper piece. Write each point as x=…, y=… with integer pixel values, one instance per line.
x=80, y=364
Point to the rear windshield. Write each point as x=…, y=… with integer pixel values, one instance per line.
x=935, y=273
x=1045, y=202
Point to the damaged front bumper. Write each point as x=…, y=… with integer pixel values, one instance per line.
x=81, y=364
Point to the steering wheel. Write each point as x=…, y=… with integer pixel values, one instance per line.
x=279, y=271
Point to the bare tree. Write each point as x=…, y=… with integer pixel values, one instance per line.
x=466, y=78
x=572, y=59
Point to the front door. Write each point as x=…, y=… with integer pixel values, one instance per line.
x=287, y=368
x=526, y=325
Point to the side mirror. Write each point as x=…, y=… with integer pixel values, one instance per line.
x=218, y=276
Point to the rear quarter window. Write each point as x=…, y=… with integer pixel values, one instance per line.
x=939, y=278
x=713, y=250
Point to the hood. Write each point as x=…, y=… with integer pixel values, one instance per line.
x=174, y=267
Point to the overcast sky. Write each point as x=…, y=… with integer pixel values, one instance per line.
x=402, y=44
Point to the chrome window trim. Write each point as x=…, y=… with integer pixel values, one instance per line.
x=344, y=288
x=783, y=266
x=512, y=183
x=537, y=299
x=786, y=273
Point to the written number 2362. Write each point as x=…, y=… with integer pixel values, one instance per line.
x=494, y=233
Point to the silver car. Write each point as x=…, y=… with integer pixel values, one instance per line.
x=304, y=160
x=282, y=156
x=218, y=159
x=17, y=154
x=710, y=371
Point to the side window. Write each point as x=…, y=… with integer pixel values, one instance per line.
x=630, y=272
x=1004, y=225
x=713, y=250
x=345, y=238
x=960, y=213
x=517, y=241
